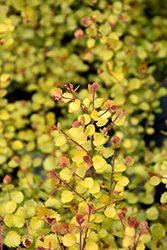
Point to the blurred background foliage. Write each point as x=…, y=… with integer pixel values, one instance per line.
x=123, y=47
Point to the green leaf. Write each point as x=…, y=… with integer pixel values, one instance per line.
x=155, y=180
x=12, y=239
x=152, y=213
x=18, y=5
x=163, y=198
x=158, y=230
x=49, y=163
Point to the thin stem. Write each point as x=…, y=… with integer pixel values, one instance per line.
x=103, y=113
x=93, y=97
x=50, y=195
x=74, y=174
x=73, y=190
x=111, y=124
x=1, y=237
x=43, y=182
x=105, y=206
x=163, y=239
x=123, y=227
x=75, y=142
x=9, y=195
x=80, y=240
x=28, y=220
x=86, y=232
x=59, y=241
x=112, y=172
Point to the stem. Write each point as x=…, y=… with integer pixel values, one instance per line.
x=93, y=96
x=28, y=220
x=75, y=142
x=86, y=232
x=9, y=195
x=43, y=182
x=111, y=124
x=103, y=113
x=163, y=239
x=106, y=205
x=80, y=240
x=1, y=237
x=74, y=174
x=112, y=172
x=123, y=228
x=73, y=189
x=136, y=241
x=59, y=241
x=51, y=194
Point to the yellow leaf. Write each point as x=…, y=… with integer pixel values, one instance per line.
x=95, y=188
x=134, y=83
x=66, y=174
x=98, y=102
x=130, y=231
x=120, y=168
x=91, y=246
x=67, y=98
x=110, y=211
x=90, y=129
x=50, y=242
x=74, y=132
x=123, y=181
x=10, y=207
x=4, y=115
x=12, y=239
x=140, y=246
x=86, y=118
x=78, y=157
x=127, y=241
x=74, y=106
x=69, y=240
x=94, y=115
x=86, y=101
x=107, y=152
x=8, y=219
x=67, y=196
x=59, y=139
x=87, y=183
x=155, y=180
x=99, y=139
x=99, y=164
x=119, y=121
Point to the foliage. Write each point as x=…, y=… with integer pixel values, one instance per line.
x=95, y=196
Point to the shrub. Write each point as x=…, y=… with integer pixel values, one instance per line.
x=121, y=45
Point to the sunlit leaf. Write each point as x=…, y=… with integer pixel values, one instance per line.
x=69, y=240
x=12, y=239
